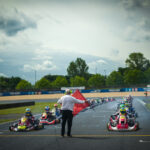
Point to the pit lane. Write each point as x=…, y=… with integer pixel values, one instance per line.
x=89, y=132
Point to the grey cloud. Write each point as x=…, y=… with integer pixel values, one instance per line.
x=147, y=38
x=146, y=24
x=137, y=12
x=12, y=24
x=133, y=4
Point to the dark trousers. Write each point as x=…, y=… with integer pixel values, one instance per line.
x=66, y=116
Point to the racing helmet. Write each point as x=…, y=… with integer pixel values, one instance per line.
x=47, y=108
x=55, y=105
x=123, y=111
x=126, y=104
x=28, y=112
x=122, y=102
x=44, y=115
x=122, y=106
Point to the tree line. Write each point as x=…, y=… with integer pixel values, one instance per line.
x=135, y=74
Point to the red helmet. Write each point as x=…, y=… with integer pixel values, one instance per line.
x=55, y=105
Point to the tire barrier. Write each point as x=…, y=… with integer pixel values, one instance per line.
x=13, y=105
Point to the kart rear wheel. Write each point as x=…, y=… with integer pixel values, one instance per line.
x=10, y=128
x=41, y=126
x=137, y=125
x=107, y=126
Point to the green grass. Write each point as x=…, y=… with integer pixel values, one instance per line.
x=148, y=106
x=37, y=108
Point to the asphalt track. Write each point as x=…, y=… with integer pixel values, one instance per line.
x=89, y=133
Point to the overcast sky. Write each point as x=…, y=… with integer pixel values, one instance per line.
x=46, y=35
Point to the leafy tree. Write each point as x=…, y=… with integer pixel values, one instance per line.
x=13, y=81
x=134, y=77
x=78, y=81
x=115, y=79
x=3, y=83
x=96, y=81
x=78, y=68
x=60, y=82
x=147, y=75
x=50, y=77
x=23, y=85
x=72, y=69
x=43, y=84
x=137, y=61
x=9, y=83
x=122, y=70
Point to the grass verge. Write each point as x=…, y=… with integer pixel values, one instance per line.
x=148, y=106
x=37, y=108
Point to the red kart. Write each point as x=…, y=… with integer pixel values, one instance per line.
x=49, y=120
x=122, y=124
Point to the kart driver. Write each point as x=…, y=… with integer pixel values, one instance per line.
x=48, y=115
x=56, y=111
x=121, y=112
x=29, y=116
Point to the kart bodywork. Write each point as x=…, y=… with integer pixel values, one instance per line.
x=49, y=121
x=122, y=124
x=25, y=125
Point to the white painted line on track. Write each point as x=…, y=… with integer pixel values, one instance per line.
x=142, y=141
x=143, y=103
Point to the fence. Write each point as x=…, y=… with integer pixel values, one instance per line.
x=82, y=91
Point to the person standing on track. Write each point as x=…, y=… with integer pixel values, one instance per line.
x=67, y=102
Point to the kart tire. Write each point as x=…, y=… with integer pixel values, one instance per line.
x=136, y=115
x=107, y=126
x=36, y=121
x=10, y=128
x=40, y=126
x=137, y=124
x=36, y=127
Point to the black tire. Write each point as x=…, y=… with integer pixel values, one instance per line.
x=10, y=128
x=36, y=121
x=108, y=127
x=137, y=123
x=136, y=115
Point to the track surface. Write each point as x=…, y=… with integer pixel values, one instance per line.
x=88, y=130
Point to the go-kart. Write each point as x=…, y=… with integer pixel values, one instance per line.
x=131, y=112
x=108, y=99
x=45, y=120
x=93, y=103
x=25, y=125
x=122, y=123
x=112, y=99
